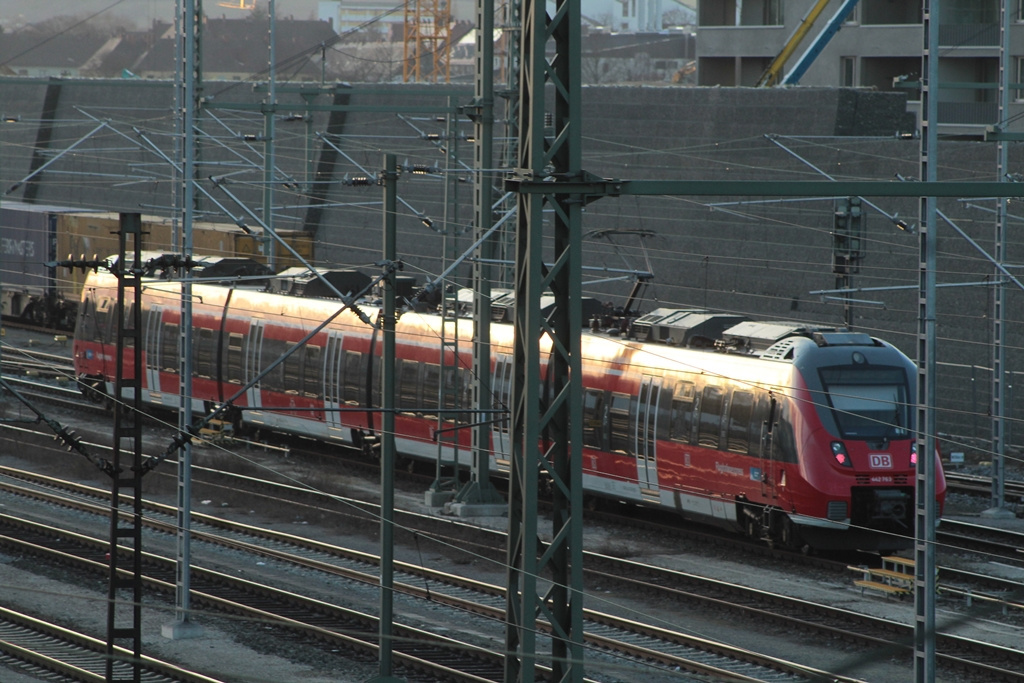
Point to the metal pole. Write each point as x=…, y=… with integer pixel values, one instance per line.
x=925, y=513
x=479, y=496
x=546, y=428
x=189, y=12
x=387, y=432
x=125, y=515
x=998, y=509
x=2, y=274
x=269, y=111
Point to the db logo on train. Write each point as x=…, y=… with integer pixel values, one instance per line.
x=880, y=461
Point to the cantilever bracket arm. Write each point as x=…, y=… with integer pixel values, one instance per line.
x=595, y=189
x=587, y=186
x=55, y=158
x=60, y=432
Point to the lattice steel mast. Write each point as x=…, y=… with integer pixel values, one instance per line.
x=546, y=431
x=925, y=509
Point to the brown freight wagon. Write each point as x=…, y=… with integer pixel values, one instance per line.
x=94, y=234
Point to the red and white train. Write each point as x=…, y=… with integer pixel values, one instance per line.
x=796, y=435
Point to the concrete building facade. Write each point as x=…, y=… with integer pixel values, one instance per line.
x=879, y=46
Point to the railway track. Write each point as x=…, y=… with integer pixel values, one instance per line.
x=977, y=485
x=427, y=524
x=44, y=377
x=58, y=654
x=422, y=656
x=683, y=588
x=973, y=538
x=673, y=650
x=999, y=544
x=22, y=360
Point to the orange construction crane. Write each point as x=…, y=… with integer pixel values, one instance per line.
x=427, y=41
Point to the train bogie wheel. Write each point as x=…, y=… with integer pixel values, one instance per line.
x=753, y=528
x=786, y=531
x=93, y=390
x=791, y=539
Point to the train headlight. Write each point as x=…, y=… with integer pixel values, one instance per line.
x=840, y=454
x=913, y=454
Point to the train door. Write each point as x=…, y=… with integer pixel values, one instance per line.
x=253, y=353
x=645, y=436
x=501, y=392
x=333, y=367
x=154, y=327
x=767, y=447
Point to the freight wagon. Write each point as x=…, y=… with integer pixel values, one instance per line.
x=34, y=237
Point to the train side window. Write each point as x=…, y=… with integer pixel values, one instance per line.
x=85, y=327
x=272, y=350
x=234, y=364
x=103, y=321
x=373, y=378
x=448, y=387
x=618, y=423
x=431, y=386
x=203, y=352
x=292, y=368
x=408, y=373
x=683, y=396
x=758, y=429
x=501, y=391
x=169, y=343
x=311, y=366
x=664, y=419
x=593, y=418
x=710, y=417
x=457, y=389
x=738, y=430
x=354, y=376
x=465, y=394
x=129, y=323
x=451, y=388
x=784, y=443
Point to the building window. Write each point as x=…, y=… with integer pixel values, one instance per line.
x=848, y=68
x=741, y=13
x=773, y=13
x=854, y=16
x=889, y=13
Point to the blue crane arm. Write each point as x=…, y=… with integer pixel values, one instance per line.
x=772, y=74
x=818, y=44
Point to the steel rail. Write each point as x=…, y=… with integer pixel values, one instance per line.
x=632, y=639
x=76, y=656
x=664, y=579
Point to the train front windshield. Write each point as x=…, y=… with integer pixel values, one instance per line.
x=868, y=402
